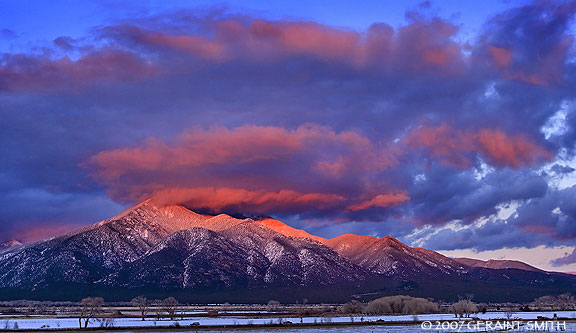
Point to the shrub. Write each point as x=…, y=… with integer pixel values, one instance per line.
x=352, y=307
x=400, y=305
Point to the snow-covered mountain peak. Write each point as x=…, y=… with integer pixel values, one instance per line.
x=287, y=230
x=10, y=243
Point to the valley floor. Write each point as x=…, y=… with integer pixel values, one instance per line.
x=252, y=322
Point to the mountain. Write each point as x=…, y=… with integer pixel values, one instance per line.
x=497, y=264
x=294, y=260
x=172, y=247
x=9, y=245
x=170, y=250
x=287, y=230
x=389, y=257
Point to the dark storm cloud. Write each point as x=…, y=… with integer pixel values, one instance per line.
x=569, y=258
x=562, y=169
x=448, y=195
x=494, y=234
x=387, y=127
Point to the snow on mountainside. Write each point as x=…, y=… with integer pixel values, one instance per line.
x=171, y=247
x=9, y=245
x=497, y=264
x=388, y=256
x=293, y=260
x=192, y=258
x=287, y=230
x=124, y=250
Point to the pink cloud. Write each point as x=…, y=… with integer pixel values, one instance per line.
x=242, y=200
x=458, y=148
x=248, y=144
x=422, y=45
x=24, y=72
x=257, y=168
x=381, y=200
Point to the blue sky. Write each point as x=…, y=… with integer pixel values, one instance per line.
x=36, y=22
x=449, y=125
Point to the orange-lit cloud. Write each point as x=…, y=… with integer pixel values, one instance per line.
x=458, y=148
x=381, y=200
x=28, y=232
x=515, y=151
x=251, y=168
x=24, y=72
x=241, y=200
x=249, y=144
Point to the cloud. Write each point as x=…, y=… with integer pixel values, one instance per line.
x=530, y=43
x=242, y=201
x=23, y=72
x=458, y=147
x=255, y=168
x=378, y=131
x=446, y=195
x=494, y=234
x=567, y=259
x=381, y=200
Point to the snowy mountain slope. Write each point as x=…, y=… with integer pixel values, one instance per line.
x=9, y=245
x=163, y=246
x=170, y=247
x=287, y=230
x=497, y=264
x=389, y=257
x=194, y=258
x=294, y=261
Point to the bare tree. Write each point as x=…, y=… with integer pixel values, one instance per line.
x=169, y=306
x=545, y=302
x=565, y=301
x=142, y=304
x=561, y=302
x=39, y=308
x=400, y=304
x=225, y=307
x=464, y=307
x=273, y=305
x=90, y=308
x=157, y=305
x=509, y=313
x=352, y=307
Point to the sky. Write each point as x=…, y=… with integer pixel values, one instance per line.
x=449, y=125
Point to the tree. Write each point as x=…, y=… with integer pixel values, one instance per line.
x=141, y=303
x=566, y=301
x=352, y=307
x=464, y=307
x=225, y=307
x=561, y=302
x=273, y=305
x=545, y=302
x=509, y=313
x=400, y=304
x=90, y=307
x=169, y=306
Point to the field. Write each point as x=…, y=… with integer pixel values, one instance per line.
x=218, y=318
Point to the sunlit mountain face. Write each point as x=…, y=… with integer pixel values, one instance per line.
x=446, y=126
x=169, y=250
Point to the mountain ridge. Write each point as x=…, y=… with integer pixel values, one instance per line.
x=173, y=249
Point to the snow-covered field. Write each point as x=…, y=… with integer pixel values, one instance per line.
x=56, y=323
